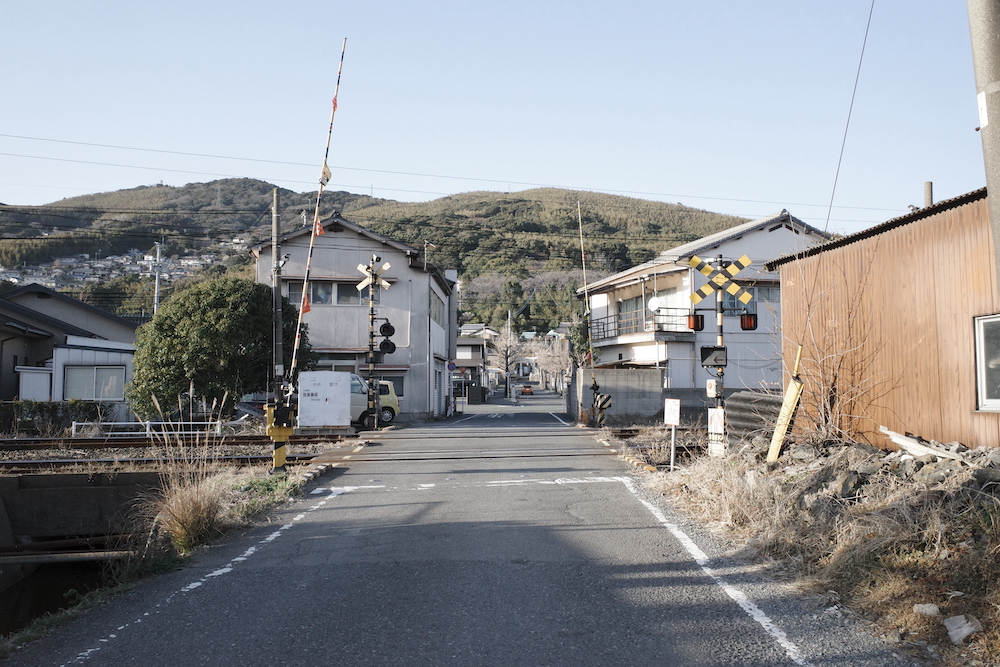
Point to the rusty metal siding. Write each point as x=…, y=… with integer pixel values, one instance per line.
x=897, y=308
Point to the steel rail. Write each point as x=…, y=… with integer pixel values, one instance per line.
x=240, y=459
x=113, y=442
x=458, y=456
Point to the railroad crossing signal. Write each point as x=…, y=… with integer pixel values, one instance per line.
x=374, y=276
x=721, y=279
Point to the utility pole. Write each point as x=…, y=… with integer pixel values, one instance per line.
x=280, y=413
x=156, y=280
x=984, y=24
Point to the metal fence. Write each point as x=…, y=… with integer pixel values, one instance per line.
x=640, y=321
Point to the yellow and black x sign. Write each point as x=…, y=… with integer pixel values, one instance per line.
x=721, y=279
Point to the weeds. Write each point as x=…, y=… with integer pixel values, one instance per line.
x=877, y=542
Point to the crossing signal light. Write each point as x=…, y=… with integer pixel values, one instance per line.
x=696, y=322
x=386, y=346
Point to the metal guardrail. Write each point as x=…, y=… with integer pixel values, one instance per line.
x=151, y=428
x=640, y=321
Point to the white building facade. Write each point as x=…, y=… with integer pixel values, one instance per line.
x=639, y=318
x=419, y=304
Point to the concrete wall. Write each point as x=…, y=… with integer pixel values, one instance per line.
x=52, y=506
x=636, y=394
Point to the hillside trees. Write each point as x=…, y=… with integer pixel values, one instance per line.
x=547, y=299
x=474, y=232
x=215, y=340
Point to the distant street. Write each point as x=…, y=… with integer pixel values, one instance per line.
x=502, y=536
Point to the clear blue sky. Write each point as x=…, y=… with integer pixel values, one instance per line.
x=728, y=106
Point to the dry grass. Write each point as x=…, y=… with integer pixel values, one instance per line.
x=879, y=547
x=198, y=500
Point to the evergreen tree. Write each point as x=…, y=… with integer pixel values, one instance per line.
x=213, y=340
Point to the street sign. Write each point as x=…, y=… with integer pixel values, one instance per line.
x=672, y=411
x=720, y=279
x=716, y=421
x=451, y=365
x=713, y=357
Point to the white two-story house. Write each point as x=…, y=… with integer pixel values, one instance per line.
x=418, y=303
x=639, y=318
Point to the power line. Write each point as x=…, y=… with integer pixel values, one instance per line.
x=389, y=172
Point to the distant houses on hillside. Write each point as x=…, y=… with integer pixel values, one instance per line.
x=83, y=269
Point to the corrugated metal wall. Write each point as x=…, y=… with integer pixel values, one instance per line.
x=887, y=322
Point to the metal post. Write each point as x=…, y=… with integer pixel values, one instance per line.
x=156, y=281
x=280, y=415
x=276, y=356
x=719, y=313
x=984, y=26
x=372, y=383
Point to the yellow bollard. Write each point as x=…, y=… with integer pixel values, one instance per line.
x=280, y=427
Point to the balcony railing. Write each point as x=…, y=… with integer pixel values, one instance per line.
x=640, y=321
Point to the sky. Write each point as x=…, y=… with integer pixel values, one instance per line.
x=728, y=106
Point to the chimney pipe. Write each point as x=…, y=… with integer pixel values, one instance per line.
x=928, y=194
x=984, y=27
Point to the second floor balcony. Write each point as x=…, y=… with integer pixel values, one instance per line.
x=672, y=320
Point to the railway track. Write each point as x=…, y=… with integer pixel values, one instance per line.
x=131, y=442
x=28, y=455
x=14, y=466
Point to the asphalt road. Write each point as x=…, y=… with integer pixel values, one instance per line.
x=500, y=537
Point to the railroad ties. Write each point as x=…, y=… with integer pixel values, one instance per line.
x=24, y=454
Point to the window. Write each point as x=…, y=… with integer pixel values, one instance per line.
x=94, y=383
x=630, y=305
x=987, y=331
x=666, y=298
x=437, y=309
x=322, y=293
x=327, y=292
x=348, y=295
x=734, y=307
x=768, y=293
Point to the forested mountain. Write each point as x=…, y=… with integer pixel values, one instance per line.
x=538, y=230
x=511, y=248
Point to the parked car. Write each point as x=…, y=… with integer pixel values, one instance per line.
x=388, y=401
x=526, y=389
x=359, y=402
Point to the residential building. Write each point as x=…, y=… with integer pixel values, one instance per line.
x=469, y=377
x=54, y=347
x=419, y=303
x=639, y=317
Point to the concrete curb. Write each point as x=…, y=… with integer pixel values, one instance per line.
x=318, y=469
x=639, y=464
x=631, y=460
